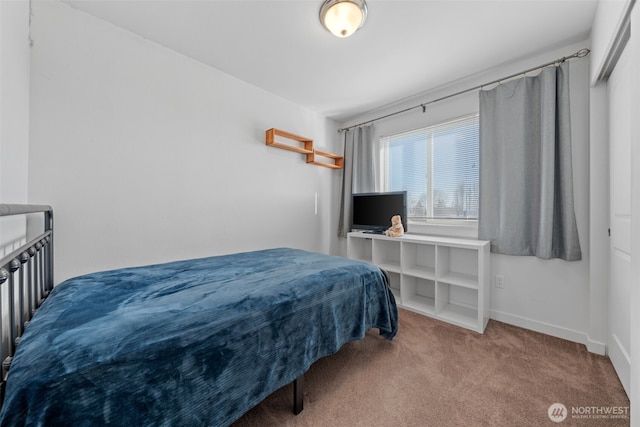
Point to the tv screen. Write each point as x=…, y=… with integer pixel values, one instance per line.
x=373, y=211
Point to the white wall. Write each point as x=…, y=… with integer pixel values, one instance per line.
x=148, y=156
x=547, y=296
x=14, y=115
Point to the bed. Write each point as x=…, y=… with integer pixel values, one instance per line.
x=189, y=342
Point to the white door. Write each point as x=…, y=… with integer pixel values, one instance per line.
x=619, y=336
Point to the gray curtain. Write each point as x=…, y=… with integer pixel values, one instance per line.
x=358, y=174
x=526, y=178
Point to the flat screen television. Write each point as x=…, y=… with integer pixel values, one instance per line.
x=372, y=212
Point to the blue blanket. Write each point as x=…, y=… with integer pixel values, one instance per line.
x=196, y=342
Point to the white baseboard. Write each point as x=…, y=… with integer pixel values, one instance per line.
x=596, y=347
x=621, y=362
x=549, y=329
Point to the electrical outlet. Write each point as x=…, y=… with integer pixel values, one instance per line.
x=499, y=281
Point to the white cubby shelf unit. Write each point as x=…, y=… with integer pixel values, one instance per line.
x=445, y=278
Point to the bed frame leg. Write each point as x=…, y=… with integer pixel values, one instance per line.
x=298, y=392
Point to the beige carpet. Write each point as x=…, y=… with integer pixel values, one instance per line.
x=436, y=374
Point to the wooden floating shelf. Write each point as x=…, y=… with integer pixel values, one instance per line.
x=305, y=147
x=307, y=144
x=338, y=161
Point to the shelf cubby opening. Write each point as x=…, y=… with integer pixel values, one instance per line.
x=386, y=254
x=457, y=266
x=457, y=304
x=360, y=249
x=419, y=260
x=419, y=294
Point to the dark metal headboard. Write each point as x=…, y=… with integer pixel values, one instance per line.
x=26, y=278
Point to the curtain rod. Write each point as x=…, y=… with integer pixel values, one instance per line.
x=579, y=54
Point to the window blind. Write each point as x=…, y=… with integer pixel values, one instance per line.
x=438, y=167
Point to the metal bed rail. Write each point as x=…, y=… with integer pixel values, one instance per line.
x=26, y=279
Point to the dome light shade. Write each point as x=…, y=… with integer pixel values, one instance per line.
x=343, y=17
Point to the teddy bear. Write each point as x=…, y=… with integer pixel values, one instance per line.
x=396, y=229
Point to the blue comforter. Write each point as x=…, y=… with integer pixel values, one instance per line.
x=196, y=342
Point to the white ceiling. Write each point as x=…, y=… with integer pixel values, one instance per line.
x=405, y=47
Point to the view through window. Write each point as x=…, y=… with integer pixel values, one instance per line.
x=438, y=167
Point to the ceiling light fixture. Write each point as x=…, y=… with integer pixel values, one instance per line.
x=343, y=17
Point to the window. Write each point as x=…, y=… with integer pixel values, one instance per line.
x=437, y=166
